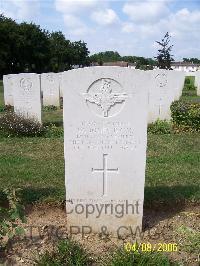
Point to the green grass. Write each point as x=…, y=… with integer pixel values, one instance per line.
x=122, y=257
x=37, y=165
x=67, y=253
x=189, y=92
x=172, y=172
x=190, y=98
x=53, y=117
x=190, y=239
x=71, y=253
x=191, y=79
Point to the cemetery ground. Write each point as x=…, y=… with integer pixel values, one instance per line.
x=172, y=194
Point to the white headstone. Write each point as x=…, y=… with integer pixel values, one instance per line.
x=50, y=89
x=197, y=82
x=161, y=94
x=105, y=136
x=176, y=82
x=8, y=89
x=60, y=84
x=27, y=95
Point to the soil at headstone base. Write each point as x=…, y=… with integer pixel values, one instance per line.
x=46, y=225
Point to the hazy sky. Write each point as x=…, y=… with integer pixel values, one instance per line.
x=129, y=27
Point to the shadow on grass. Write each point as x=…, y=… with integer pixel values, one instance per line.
x=168, y=196
x=30, y=195
x=163, y=202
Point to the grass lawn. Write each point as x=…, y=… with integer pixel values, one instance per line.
x=37, y=165
x=190, y=98
x=189, y=92
x=192, y=79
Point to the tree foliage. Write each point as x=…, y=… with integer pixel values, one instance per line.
x=164, y=57
x=60, y=57
x=108, y=56
x=25, y=47
x=34, y=48
x=111, y=56
x=192, y=60
x=9, y=51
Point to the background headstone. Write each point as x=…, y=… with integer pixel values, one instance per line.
x=197, y=82
x=105, y=135
x=50, y=89
x=163, y=89
x=176, y=82
x=27, y=95
x=160, y=96
x=8, y=89
x=60, y=84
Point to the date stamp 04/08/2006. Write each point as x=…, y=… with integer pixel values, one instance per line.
x=148, y=247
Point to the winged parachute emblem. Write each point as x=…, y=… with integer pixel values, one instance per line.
x=105, y=98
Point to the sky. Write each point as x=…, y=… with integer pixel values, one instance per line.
x=130, y=27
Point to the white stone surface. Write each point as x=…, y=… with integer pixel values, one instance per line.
x=105, y=136
x=165, y=87
x=176, y=81
x=50, y=89
x=27, y=95
x=8, y=89
x=197, y=82
x=60, y=83
x=162, y=91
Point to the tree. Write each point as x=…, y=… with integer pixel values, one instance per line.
x=9, y=53
x=192, y=60
x=80, y=54
x=61, y=54
x=164, y=57
x=34, y=48
x=108, y=56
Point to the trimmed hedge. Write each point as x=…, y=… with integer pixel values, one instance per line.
x=186, y=115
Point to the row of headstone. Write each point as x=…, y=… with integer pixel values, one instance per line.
x=163, y=88
x=105, y=139
x=50, y=88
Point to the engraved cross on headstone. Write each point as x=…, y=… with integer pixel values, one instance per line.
x=104, y=171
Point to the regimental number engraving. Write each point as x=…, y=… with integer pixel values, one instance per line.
x=161, y=80
x=105, y=97
x=104, y=171
x=26, y=84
